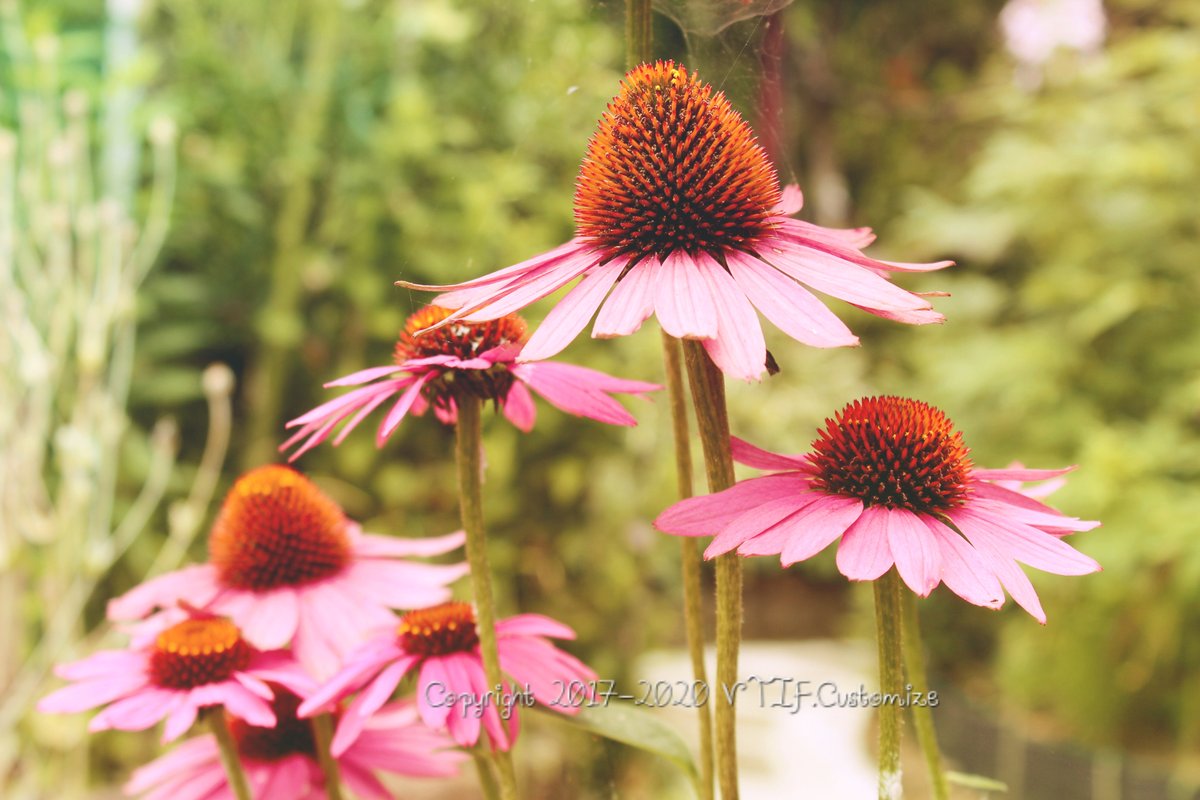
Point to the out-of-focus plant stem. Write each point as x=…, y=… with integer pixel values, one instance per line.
x=323, y=739
x=914, y=664
x=227, y=747
x=712, y=421
x=487, y=774
x=469, y=455
x=279, y=325
x=891, y=683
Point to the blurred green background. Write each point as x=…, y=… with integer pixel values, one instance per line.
x=321, y=149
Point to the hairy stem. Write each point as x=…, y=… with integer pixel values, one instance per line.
x=914, y=664
x=712, y=421
x=469, y=452
x=891, y=679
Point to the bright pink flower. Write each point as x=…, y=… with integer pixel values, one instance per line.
x=477, y=358
x=198, y=662
x=679, y=213
x=890, y=477
x=287, y=566
x=441, y=645
x=280, y=762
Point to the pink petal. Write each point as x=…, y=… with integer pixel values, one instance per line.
x=463, y=722
x=513, y=272
x=847, y=244
x=379, y=691
x=396, y=415
x=287, y=777
x=363, y=376
x=754, y=456
x=918, y=559
x=533, y=625
x=839, y=278
x=340, y=407
x=371, y=545
x=271, y=621
x=864, y=553
x=524, y=291
x=739, y=348
x=965, y=571
x=179, y=722
x=572, y=314
x=1001, y=502
x=434, y=693
x=565, y=386
x=754, y=521
x=137, y=712
x=791, y=307
x=519, y=408
x=810, y=530
x=791, y=200
x=705, y=515
x=190, y=757
x=198, y=584
x=358, y=417
x=1020, y=474
x=104, y=665
x=401, y=585
x=88, y=694
x=683, y=299
x=919, y=316
x=359, y=668
x=630, y=303
x=1023, y=543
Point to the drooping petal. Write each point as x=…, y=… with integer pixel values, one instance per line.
x=574, y=389
x=739, y=348
x=754, y=521
x=1023, y=543
x=964, y=571
x=372, y=545
x=198, y=584
x=706, y=515
x=839, y=278
x=519, y=408
x=683, y=298
x=864, y=553
x=918, y=559
x=791, y=200
x=396, y=415
x=270, y=621
x=630, y=303
x=814, y=527
x=362, y=376
x=572, y=314
x=754, y=456
x=533, y=625
x=787, y=304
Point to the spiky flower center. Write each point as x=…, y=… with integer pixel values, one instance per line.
x=892, y=452
x=463, y=340
x=438, y=630
x=672, y=166
x=276, y=528
x=290, y=736
x=197, y=652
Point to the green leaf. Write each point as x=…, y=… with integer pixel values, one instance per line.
x=635, y=726
x=976, y=782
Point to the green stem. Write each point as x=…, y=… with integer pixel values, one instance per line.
x=487, y=775
x=322, y=726
x=468, y=453
x=639, y=33
x=914, y=663
x=227, y=747
x=689, y=556
x=891, y=679
x=712, y=421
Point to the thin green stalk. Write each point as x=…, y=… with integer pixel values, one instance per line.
x=468, y=453
x=639, y=32
x=322, y=726
x=227, y=747
x=689, y=555
x=891, y=683
x=712, y=421
x=914, y=664
x=487, y=775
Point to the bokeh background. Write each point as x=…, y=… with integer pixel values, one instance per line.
x=190, y=183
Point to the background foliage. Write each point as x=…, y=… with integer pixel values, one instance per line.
x=327, y=148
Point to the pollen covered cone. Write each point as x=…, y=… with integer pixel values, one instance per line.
x=277, y=528
x=890, y=480
x=198, y=651
x=463, y=340
x=672, y=166
x=679, y=214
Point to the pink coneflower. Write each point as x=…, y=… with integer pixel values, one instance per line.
x=477, y=358
x=286, y=565
x=891, y=478
x=440, y=643
x=679, y=213
x=199, y=662
x=281, y=761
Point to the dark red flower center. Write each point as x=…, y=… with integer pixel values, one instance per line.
x=290, y=736
x=438, y=630
x=276, y=528
x=892, y=452
x=463, y=340
x=672, y=166
x=196, y=652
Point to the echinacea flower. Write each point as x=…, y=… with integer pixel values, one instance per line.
x=891, y=478
x=199, y=662
x=435, y=366
x=286, y=565
x=440, y=644
x=281, y=761
x=679, y=213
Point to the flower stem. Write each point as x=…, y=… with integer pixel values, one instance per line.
x=712, y=421
x=914, y=664
x=468, y=453
x=322, y=726
x=487, y=775
x=639, y=33
x=689, y=555
x=891, y=679
x=227, y=747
